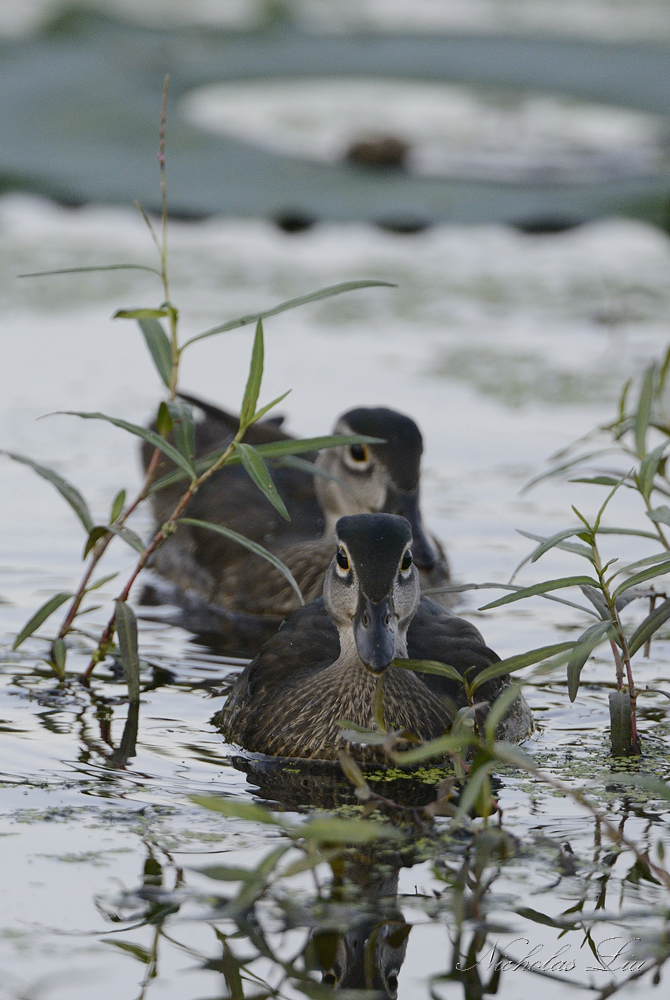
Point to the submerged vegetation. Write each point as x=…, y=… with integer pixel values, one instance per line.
x=354, y=932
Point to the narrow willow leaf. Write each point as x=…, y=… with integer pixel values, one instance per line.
x=259, y=475
x=499, y=708
x=648, y=469
x=541, y=588
x=158, y=344
x=97, y=532
x=126, y=631
x=519, y=661
x=354, y=774
x=85, y=270
x=627, y=531
x=117, y=505
x=511, y=754
x=430, y=667
x=253, y=386
x=584, y=646
x=596, y=480
x=101, y=582
x=323, y=293
x=564, y=466
x=331, y=830
x=646, y=629
x=143, y=432
x=366, y=737
x=240, y=810
x=575, y=547
x=646, y=574
x=277, y=449
x=143, y=955
x=164, y=420
x=595, y=596
x=184, y=427
x=434, y=748
x=475, y=785
x=139, y=313
x=248, y=544
x=644, y=410
x=69, y=492
x=270, y=406
x=659, y=557
x=59, y=653
x=100, y=530
x=552, y=541
x=660, y=515
x=309, y=862
x=40, y=616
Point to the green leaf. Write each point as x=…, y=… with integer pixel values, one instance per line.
x=563, y=466
x=584, y=646
x=101, y=582
x=259, y=475
x=126, y=630
x=139, y=314
x=542, y=588
x=596, y=480
x=158, y=344
x=575, y=547
x=643, y=414
x=519, y=661
x=100, y=530
x=646, y=629
x=40, y=616
x=323, y=293
x=226, y=873
x=144, y=433
x=248, y=544
x=659, y=557
x=253, y=386
x=164, y=420
x=627, y=531
x=659, y=515
x=136, y=950
x=69, y=492
x=646, y=574
x=475, y=785
x=184, y=427
x=59, y=653
x=117, y=505
x=649, y=468
x=85, y=270
x=434, y=748
x=508, y=753
x=269, y=406
x=331, y=830
x=310, y=861
x=354, y=774
x=240, y=810
x=430, y=667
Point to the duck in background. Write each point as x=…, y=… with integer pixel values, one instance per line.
x=323, y=665
x=234, y=598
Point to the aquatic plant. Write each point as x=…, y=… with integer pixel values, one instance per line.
x=159, y=327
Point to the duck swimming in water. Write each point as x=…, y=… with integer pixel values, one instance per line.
x=323, y=664
x=235, y=596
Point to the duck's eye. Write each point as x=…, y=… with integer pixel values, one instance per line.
x=342, y=558
x=406, y=561
x=359, y=453
x=330, y=979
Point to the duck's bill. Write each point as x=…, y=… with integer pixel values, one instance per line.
x=375, y=630
x=424, y=553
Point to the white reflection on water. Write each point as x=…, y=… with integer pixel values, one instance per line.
x=593, y=302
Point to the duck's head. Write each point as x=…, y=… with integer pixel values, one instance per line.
x=376, y=477
x=371, y=589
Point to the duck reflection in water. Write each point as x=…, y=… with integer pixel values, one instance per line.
x=234, y=598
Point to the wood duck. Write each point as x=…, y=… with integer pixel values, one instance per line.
x=235, y=598
x=323, y=664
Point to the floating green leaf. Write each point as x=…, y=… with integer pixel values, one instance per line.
x=69, y=492
x=259, y=475
x=248, y=544
x=126, y=630
x=323, y=293
x=41, y=616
